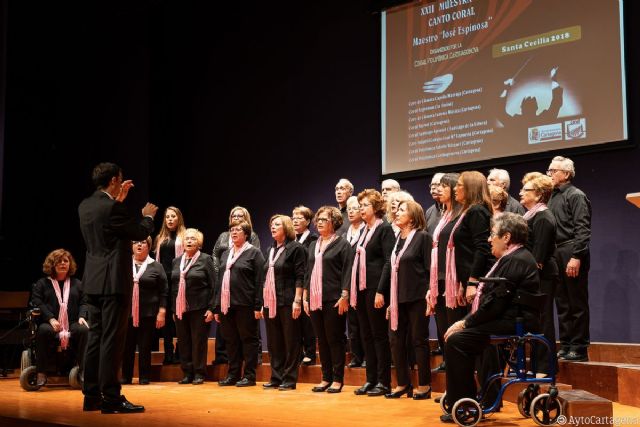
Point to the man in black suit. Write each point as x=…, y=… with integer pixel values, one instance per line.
x=108, y=229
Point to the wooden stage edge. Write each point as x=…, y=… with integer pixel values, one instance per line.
x=211, y=405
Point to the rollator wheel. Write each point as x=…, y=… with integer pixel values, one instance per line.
x=29, y=379
x=75, y=378
x=525, y=397
x=25, y=359
x=545, y=409
x=467, y=412
x=444, y=406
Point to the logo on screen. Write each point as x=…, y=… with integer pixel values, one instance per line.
x=545, y=133
x=575, y=129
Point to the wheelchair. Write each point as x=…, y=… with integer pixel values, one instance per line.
x=544, y=408
x=62, y=367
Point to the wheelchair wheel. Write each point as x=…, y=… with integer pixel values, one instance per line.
x=75, y=378
x=545, y=409
x=29, y=379
x=466, y=412
x=25, y=360
x=525, y=397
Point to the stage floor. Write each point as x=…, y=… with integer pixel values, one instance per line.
x=211, y=405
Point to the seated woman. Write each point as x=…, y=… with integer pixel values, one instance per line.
x=492, y=311
x=59, y=298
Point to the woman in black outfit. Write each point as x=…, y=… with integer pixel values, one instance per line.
x=535, y=193
x=409, y=272
x=285, y=267
x=238, y=304
x=192, y=278
x=150, y=291
x=326, y=295
x=494, y=311
x=370, y=292
x=168, y=246
x=302, y=217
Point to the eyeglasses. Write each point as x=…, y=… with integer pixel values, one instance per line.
x=322, y=220
x=297, y=218
x=342, y=188
x=236, y=229
x=139, y=242
x=527, y=189
x=354, y=208
x=552, y=171
x=365, y=205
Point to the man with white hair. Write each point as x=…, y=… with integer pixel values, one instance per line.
x=500, y=177
x=344, y=190
x=433, y=214
x=387, y=187
x=572, y=210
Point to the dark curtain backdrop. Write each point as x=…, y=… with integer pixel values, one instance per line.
x=208, y=105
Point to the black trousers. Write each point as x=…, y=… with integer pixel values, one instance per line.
x=374, y=331
x=309, y=342
x=46, y=341
x=108, y=316
x=548, y=329
x=283, y=342
x=168, y=333
x=329, y=327
x=572, y=304
x=411, y=321
x=142, y=337
x=355, y=336
x=193, y=333
x=240, y=332
x=445, y=316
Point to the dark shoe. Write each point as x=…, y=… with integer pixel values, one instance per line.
x=287, y=386
x=92, y=403
x=187, y=379
x=408, y=390
x=436, y=351
x=271, y=384
x=41, y=379
x=143, y=381
x=446, y=418
x=561, y=354
x=437, y=399
x=125, y=381
x=245, y=382
x=574, y=356
x=308, y=361
x=378, y=390
x=355, y=363
x=441, y=368
x=422, y=396
x=335, y=390
x=364, y=389
x=121, y=406
x=198, y=380
x=227, y=382
x=320, y=388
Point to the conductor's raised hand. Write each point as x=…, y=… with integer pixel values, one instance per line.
x=124, y=190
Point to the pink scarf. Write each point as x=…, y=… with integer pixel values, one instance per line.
x=451, y=277
x=63, y=314
x=360, y=263
x=178, y=247
x=181, y=299
x=539, y=207
x=135, y=298
x=316, y=274
x=433, y=273
x=395, y=264
x=225, y=298
x=269, y=292
x=476, y=300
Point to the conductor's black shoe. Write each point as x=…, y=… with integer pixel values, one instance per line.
x=287, y=386
x=187, y=379
x=198, y=379
x=92, y=403
x=227, y=382
x=574, y=356
x=245, y=382
x=378, y=390
x=364, y=389
x=271, y=384
x=120, y=406
x=355, y=363
x=446, y=418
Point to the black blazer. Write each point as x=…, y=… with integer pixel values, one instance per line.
x=108, y=229
x=44, y=297
x=222, y=245
x=153, y=290
x=542, y=242
x=199, y=283
x=288, y=270
x=378, y=254
x=246, y=282
x=471, y=239
x=413, y=270
x=312, y=237
x=336, y=268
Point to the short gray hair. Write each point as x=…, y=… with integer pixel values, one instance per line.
x=512, y=223
x=346, y=183
x=436, y=178
x=567, y=165
x=391, y=183
x=503, y=176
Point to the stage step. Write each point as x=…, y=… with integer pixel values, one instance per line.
x=584, y=408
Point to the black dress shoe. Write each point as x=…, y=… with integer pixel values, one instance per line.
x=245, y=382
x=335, y=390
x=287, y=386
x=121, y=406
x=408, y=390
x=422, y=396
x=436, y=351
x=364, y=389
x=92, y=403
x=574, y=356
x=143, y=381
x=561, y=354
x=187, y=379
x=227, y=382
x=320, y=388
x=355, y=363
x=198, y=379
x=378, y=390
x=271, y=384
